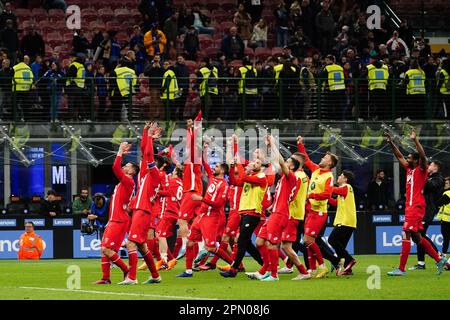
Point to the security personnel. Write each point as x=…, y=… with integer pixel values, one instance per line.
x=415, y=90
x=31, y=246
x=22, y=84
x=334, y=87
x=207, y=81
x=308, y=86
x=124, y=84
x=169, y=88
x=444, y=90
x=75, y=87
x=248, y=88
x=288, y=86
x=444, y=215
x=377, y=78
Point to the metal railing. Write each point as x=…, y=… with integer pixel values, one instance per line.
x=54, y=100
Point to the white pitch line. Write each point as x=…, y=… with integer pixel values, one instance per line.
x=118, y=293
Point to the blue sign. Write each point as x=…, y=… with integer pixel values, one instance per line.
x=5, y=223
x=36, y=222
x=381, y=218
x=65, y=222
x=85, y=246
x=350, y=246
x=9, y=243
x=401, y=218
x=389, y=239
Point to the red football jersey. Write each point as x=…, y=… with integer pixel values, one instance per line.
x=171, y=196
x=147, y=193
x=215, y=197
x=234, y=195
x=415, y=181
x=283, y=193
x=118, y=210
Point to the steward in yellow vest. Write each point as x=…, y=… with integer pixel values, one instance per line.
x=415, y=91
x=123, y=79
x=23, y=77
x=76, y=74
x=377, y=80
x=443, y=85
x=345, y=220
x=126, y=80
x=333, y=82
x=444, y=215
x=208, y=85
x=77, y=100
x=169, y=85
x=22, y=83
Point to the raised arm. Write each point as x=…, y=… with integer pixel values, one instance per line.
x=205, y=163
x=422, y=156
x=276, y=152
x=340, y=191
x=117, y=165
x=308, y=163
x=396, y=151
x=236, y=181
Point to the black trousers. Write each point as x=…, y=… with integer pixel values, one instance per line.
x=247, y=226
x=378, y=104
x=339, y=238
x=445, y=230
x=420, y=251
x=325, y=249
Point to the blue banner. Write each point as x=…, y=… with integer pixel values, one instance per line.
x=389, y=239
x=381, y=218
x=63, y=222
x=85, y=246
x=36, y=222
x=6, y=223
x=9, y=243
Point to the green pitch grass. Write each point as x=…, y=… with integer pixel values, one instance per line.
x=47, y=279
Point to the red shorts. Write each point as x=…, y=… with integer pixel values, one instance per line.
x=258, y=227
x=205, y=228
x=189, y=208
x=275, y=226
x=114, y=234
x=232, y=228
x=314, y=223
x=221, y=227
x=140, y=225
x=413, y=218
x=290, y=232
x=166, y=225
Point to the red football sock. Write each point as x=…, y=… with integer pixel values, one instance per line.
x=311, y=259
x=281, y=255
x=289, y=264
x=266, y=259
x=177, y=247
x=223, y=254
x=301, y=268
x=223, y=245
x=406, y=248
x=106, y=268
x=132, y=260
x=189, y=257
x=150, y=244
x=317, y=254
x=155, y=251
x=148, y=257
x=169, y=254
x=195, y=247
x=426, y=245
x=234, y=253
x=119, y=262
x=274, y=262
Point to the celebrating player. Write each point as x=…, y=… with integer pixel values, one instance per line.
x=416, y=175
x=119, y=220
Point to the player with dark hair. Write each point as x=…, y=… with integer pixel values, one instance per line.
x=119, y=220
x=416, y=174
x=344, y=222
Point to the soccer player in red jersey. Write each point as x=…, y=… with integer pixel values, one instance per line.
x=171, y=197
x=119, y=220
x=192, y=184
x=206, y=225
x=270, y=234
x=141, y=216
x=416, y=175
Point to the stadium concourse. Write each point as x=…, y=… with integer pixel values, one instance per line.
x=187, y=145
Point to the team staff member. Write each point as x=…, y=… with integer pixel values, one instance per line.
x=345, y=220
x=444, y=216
x=31, y=246
x=22, y=84
x=119, y=220
x=207, y=82
x=319, y=191
x=377, y=77
x=122, y=88
x=334, y=87
x=416, y=175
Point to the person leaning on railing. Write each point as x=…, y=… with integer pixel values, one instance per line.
x=377, y=77
x=22, y=84
x=207, y=83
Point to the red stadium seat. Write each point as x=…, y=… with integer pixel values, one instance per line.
x=263, y=53
x=249, y=52
x=97, y=24
x=122, y=14
x=218, y=43
x=211, y=52
x=112, y=25
x=88, y=13
x=277, y=51
x=54, y=39
x=236, y=63
x=106, y=13
x=23, y=14
x=192, y=65
x=123, y=38
x=229, y=6
x=39, y=14
x=206, y=41
x=68, y=37
x=212, y=6
x=226, y=25
x=56, y=15
x=136, y=14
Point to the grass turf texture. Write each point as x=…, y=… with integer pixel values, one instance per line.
x=20, y=280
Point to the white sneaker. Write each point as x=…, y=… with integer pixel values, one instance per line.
x=285, y=270
x=128, y=282
x=302, y=277
x=256, y=275
x=341, y=267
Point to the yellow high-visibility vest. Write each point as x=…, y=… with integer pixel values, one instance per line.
x=23, y=77
x=252, y=196
x=81, y=75
x=212, y=88
x=444, y=88
x=416, y=84
x=444, y=212
x=336, y=79
x=126, y=77
x=243, y=71
x=378, y=77
x=346, y=209
x=172, y=92
x=317, y=185
x=297, y=205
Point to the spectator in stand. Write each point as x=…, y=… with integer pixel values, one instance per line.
x=55, y=4
x=54, y=78
x=406, y=32
x=299, y=44
x=282, y=23
x=325, y=26
x=31, y=246
x=51, y=206
x=378, y=191
x=154, y=72
x=295, y=15
x=102, y=92
x=99, y=211
x=243, y=22
x=6, y=15
x=89, y=83
x=254, y=9
x=200, y=21
x=423, y=47
x=191, y=43
x=155, y=41
x=397, y=45
x=137, y=37
x=259, y=35
x=149, y=11
x=141, y=58
x=171, y=30
x=309, y=12
x=32, y=43
x=182, y=74
x=381, y=35
x=6, y=75
x=36, y=66
x=97, y=40
x=342, y=39
x=80, y=43
x=232, y=45
x=82, y=204
x=10, y=40
x=443, y=85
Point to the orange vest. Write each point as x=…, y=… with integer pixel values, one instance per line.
x=31, y=246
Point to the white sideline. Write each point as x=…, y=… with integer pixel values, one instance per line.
x=118, y=293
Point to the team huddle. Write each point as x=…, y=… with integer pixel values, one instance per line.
x=205, y=234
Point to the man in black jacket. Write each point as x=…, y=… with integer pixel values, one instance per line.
x=50, y=206
x=10, y=40
x=32, y=43
x=432, y=191
x=182, y=73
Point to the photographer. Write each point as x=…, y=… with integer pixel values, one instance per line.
x=82, y=204
x=98, y=214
